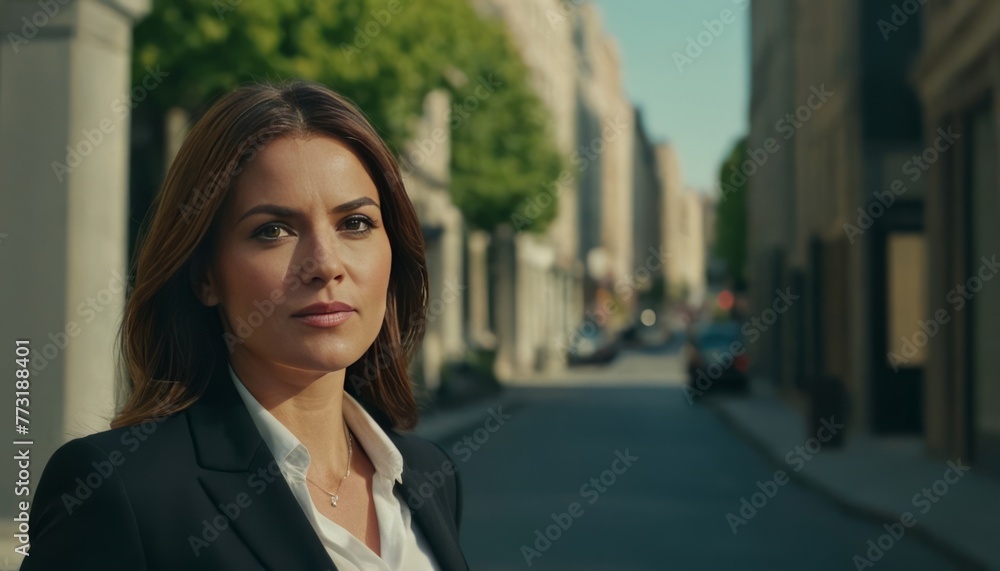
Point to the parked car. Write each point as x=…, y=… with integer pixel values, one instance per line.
x=716, y=357
x=593, y=346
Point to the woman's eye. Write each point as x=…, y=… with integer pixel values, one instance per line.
x=270, y=231
x=359, y=224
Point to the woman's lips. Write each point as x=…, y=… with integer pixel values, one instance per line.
x=326, y=319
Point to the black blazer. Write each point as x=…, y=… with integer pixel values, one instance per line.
x=194, y=492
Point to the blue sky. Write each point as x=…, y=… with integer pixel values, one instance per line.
x=701, y=108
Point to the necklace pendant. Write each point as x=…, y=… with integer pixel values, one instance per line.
x=333, y=500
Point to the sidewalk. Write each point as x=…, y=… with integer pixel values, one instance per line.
x=878, y=477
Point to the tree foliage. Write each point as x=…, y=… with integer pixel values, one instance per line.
x=731, y=217
x=385, y=55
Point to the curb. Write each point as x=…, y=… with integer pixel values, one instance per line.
x=963, y=560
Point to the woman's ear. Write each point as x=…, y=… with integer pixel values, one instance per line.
x=203, y=283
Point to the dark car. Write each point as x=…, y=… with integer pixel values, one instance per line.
x=716, y=357
x=593, y=346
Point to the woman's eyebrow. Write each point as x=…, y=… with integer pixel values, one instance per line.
x=355, y=204
x=284, y=211
x=272, y=209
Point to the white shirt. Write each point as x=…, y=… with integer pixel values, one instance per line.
x=403, y=546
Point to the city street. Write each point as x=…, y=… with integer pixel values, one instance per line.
x=671, y=474
x=546, y=235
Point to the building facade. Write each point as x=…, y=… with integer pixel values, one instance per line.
x=561, y=281
x=835, y=213
x=875, y=204
x=770, y=229
x=683, y=231
x=444, y=234
x=958, y=78
x=649, y=262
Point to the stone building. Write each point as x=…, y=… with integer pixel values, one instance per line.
x=554, y=279
x=771, y=213
x=531, y=297
x=426, y=168
x=648, y=213
x=875, y=204
x=834, y=211
x=958, y=78
x=683, y=231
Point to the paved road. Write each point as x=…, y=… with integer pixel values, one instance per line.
x=680, y=471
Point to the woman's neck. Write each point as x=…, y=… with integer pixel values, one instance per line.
x=308, y=403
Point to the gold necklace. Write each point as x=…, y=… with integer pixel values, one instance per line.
x=335, y=497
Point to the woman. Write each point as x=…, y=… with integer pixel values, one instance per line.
x=280, y=291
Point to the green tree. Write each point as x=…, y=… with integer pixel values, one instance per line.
x=386, y=62
x=731, y=216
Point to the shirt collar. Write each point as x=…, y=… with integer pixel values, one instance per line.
x=381, y=451
x=384, y=455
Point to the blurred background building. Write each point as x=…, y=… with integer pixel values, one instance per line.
x=872, y=211
x=956, y=76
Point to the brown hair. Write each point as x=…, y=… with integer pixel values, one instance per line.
x=170, y=345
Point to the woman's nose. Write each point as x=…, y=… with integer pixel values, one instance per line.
x=324, y=260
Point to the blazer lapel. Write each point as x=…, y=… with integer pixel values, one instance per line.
x=237, y=460
x=435, y=524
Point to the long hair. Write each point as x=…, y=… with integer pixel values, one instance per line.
x=169, y=344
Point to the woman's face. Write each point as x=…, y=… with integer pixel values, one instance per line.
x=302, y=225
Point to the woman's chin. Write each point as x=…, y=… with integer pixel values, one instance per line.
x=329, y=359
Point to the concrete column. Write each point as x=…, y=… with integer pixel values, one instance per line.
x=505, y=268
x=525, y=306
x=556, y=324
x=425, y=173
x=479, y=294
x=65, y=75
x=452, y=294
x=535, y=257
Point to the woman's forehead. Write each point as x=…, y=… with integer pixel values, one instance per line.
x=313, y=168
